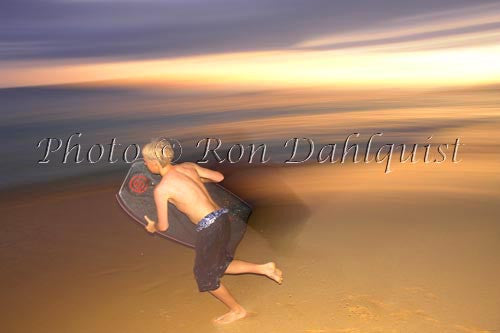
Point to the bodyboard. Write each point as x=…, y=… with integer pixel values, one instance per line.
x=136, y=197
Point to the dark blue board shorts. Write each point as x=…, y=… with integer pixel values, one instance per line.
x=212, y=253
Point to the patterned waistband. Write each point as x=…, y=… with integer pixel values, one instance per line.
x=210, y=218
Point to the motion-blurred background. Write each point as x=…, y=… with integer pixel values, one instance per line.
x=414, y=250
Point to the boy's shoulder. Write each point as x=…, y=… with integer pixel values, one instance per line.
x=161, y=187
x=187, y=164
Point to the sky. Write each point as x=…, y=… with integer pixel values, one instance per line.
x=243, y=42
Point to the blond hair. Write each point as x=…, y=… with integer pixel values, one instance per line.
x=158, y=149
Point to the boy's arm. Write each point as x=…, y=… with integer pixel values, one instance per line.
x=161, y=201
x=207, y=175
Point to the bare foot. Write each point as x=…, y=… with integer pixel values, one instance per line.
x=273, y=273
x=230, y=317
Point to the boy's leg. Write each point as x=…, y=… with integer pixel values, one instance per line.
x=236, y=311
x=269, y=269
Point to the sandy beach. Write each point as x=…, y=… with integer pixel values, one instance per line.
x=404, y=259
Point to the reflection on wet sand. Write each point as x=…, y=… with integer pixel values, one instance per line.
x=362, y=251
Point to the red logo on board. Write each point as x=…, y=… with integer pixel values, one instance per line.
x=138, y=183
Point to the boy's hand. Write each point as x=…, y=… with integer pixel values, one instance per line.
x=151, y=225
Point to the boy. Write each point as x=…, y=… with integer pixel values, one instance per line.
x=182, y=185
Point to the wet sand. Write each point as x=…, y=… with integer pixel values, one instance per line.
x=361, y=251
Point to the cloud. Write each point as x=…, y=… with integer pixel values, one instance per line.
x=447, y=28
x=41, y=30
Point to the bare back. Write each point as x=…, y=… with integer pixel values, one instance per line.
x=187, y=192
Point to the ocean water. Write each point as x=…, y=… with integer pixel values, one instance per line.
x=131, y=114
